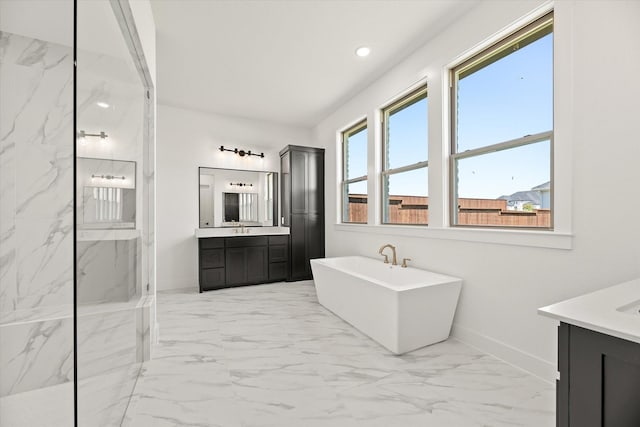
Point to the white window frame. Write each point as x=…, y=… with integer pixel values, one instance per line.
x=561, y=237
x=344, y=135
x=502, y=47
x=406, y=101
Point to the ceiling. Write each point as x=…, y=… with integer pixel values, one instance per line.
x=285, y=61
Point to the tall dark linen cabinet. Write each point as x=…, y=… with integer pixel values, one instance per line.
x=303, y=206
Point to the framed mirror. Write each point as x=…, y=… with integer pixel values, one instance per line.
x=230, y=197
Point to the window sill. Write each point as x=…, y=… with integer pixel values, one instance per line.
x=531, y=238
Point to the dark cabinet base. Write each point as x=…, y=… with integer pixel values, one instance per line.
x=226, y=262
x=599, y=383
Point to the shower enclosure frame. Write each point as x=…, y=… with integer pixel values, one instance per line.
x=126, y=22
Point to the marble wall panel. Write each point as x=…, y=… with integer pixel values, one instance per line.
x=36, y=354
x=8, y=275
x=143, y=329
x=107, y=270
x=106, y=341
x=36, y=217
x=36, y=137
x=44, y=259
x=50, y=406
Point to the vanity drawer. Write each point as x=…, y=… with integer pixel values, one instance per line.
x=278, y=253
x=212, y=258
x=211, y=243
x=279, y=240
x=243, y=242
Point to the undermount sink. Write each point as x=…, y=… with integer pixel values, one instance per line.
x=632, y=308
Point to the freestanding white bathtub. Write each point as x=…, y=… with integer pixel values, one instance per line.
x=401, y=308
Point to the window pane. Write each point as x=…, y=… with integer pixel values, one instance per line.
x=406, y=139
x=355, y=202
x=507, y=99
x=407, y=200
x=356, y=155
x=508, y=188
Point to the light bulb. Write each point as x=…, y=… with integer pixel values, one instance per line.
x=363, y=51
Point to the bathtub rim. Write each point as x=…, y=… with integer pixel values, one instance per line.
x=443, y=279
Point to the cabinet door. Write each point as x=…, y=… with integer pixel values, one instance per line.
x=604, y=380
x=235, y=266
x=257, y=264
x=315, y=238
x=285, y=182
x=212, y=278
x=298, y=182
x=277, y=271
x=315, y=184
x=298, y=252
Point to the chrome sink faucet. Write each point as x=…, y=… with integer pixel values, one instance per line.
x=386, y=258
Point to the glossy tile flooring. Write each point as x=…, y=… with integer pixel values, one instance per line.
x=270, y=355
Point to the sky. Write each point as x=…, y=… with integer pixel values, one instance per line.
x=508, y=99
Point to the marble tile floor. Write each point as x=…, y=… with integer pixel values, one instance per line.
x=270, y=355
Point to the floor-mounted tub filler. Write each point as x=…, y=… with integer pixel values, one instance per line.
x=403, y=309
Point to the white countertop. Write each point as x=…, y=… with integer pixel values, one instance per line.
x=612, y=311
x=236, y=231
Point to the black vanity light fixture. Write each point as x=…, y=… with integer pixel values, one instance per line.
x=240, y=184
x=108, y=177
x=82, y=136
x=242, y=153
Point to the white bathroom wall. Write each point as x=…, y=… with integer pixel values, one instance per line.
x=597, y=91
x=189, y=139
x=34, y=18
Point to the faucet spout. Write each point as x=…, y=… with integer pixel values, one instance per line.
x=393, y=250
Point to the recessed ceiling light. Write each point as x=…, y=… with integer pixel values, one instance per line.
x=102, y=104
x=363, y=51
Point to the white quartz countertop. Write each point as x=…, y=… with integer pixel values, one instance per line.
x=237, y=231
x=612, y=311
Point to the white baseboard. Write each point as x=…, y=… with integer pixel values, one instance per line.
x=540, y=368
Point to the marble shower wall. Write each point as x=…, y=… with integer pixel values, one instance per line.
x=36, y=213
x=36, y=154
x=108, y=271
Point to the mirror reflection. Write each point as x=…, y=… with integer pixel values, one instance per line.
x=106, y=193
x=229, y=198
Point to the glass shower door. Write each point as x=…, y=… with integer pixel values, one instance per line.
x=114, y=215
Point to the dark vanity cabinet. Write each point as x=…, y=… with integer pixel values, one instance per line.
x=244, y=260
x=211, y=263
x=599, y=382
x=302, y=174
